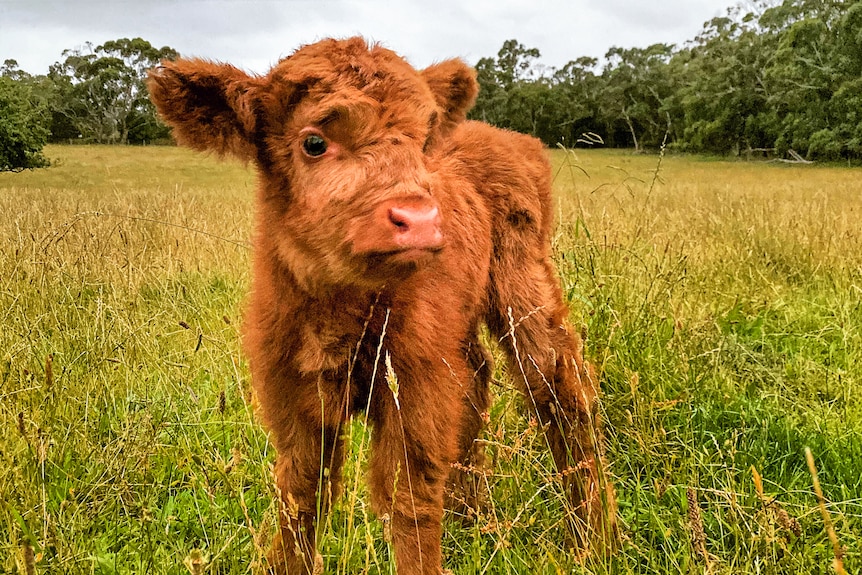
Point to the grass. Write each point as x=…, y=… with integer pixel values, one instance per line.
x=722, y=302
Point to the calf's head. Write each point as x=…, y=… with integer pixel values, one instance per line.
x=346, y=138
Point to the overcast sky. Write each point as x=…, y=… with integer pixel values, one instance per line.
x=254, y=34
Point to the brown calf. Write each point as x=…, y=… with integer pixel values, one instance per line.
x=389, y=229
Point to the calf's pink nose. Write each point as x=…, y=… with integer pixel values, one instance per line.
x=416, y=226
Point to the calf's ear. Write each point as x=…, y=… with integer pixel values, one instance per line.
x=210, y=106
x=454, y=86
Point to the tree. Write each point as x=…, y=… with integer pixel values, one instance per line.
x=580, y=93
x=518, y=93
x=105, y=93
x=515, y=63
x=637, y=88
x=499, y=78
x=490, y=105
x=814, y=74
x=23, y=124
x=9, y=69
x=845, y=105
x=724, y=91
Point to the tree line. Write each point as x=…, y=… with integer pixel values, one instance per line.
x=775, y=77
x=770, y=77
x=94, y=94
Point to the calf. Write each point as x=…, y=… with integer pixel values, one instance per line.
x=389, y=229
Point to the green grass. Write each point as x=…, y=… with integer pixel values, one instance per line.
x=722, y=302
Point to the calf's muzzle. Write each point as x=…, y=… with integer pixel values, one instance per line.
x=400, y=225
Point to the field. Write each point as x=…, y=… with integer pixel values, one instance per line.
x=722, y=302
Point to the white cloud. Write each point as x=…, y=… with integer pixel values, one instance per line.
x=254, y=34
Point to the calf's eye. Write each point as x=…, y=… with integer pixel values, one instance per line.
x=314, y=145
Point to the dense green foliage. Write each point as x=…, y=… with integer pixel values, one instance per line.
x=23, y=126
x=781, y=77
x=97, y=94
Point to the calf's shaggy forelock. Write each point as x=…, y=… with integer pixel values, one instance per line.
x=389, y=227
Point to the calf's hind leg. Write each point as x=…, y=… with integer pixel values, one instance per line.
x=528, y=315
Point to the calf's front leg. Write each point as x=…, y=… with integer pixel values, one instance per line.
x=304, y=416
x=413, y=447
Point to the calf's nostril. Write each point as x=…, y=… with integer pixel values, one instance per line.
x=399, y=218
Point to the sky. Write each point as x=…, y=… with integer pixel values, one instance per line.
x=255, y=34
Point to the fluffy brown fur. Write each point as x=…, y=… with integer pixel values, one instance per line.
x=388, y=226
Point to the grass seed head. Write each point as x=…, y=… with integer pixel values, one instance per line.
x=26, y=559
x=787, y=521
x=695, y=524
x=49, y=371
x=196, y=562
